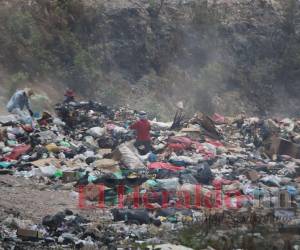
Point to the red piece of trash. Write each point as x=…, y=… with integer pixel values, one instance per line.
x=163, y=165
x=17, y=152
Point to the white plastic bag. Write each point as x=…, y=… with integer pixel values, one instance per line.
x=48, y=171
x=96, y=132
x=168, y=184
x=129, y=157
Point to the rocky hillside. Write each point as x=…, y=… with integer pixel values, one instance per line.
x=226, y=56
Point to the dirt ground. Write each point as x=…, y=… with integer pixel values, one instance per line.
x=24, y=199
x=27, y=200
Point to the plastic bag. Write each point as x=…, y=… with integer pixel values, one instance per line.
x=96, y=132
x=130, y=158
x=168, y=184
x=48, y=171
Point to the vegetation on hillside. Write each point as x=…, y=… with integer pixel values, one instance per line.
x=154, y=53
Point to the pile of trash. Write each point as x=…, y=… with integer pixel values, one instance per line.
x=196, y=165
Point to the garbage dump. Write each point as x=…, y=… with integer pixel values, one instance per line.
x=198, y=169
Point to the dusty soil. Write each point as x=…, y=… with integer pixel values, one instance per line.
x=25, y=199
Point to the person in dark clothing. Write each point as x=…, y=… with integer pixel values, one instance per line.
x=142, y=128
x=69, y=96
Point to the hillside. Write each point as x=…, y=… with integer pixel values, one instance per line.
x=224, y=56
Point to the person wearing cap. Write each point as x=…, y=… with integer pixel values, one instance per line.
x=69, y=96
x=19, y=101
x=142, y=128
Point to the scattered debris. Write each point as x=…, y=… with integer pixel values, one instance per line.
x=88, y=150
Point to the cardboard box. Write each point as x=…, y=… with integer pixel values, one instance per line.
x=29, y=234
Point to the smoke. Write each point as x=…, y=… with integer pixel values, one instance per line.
x=230, y=59
x=215, y=56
